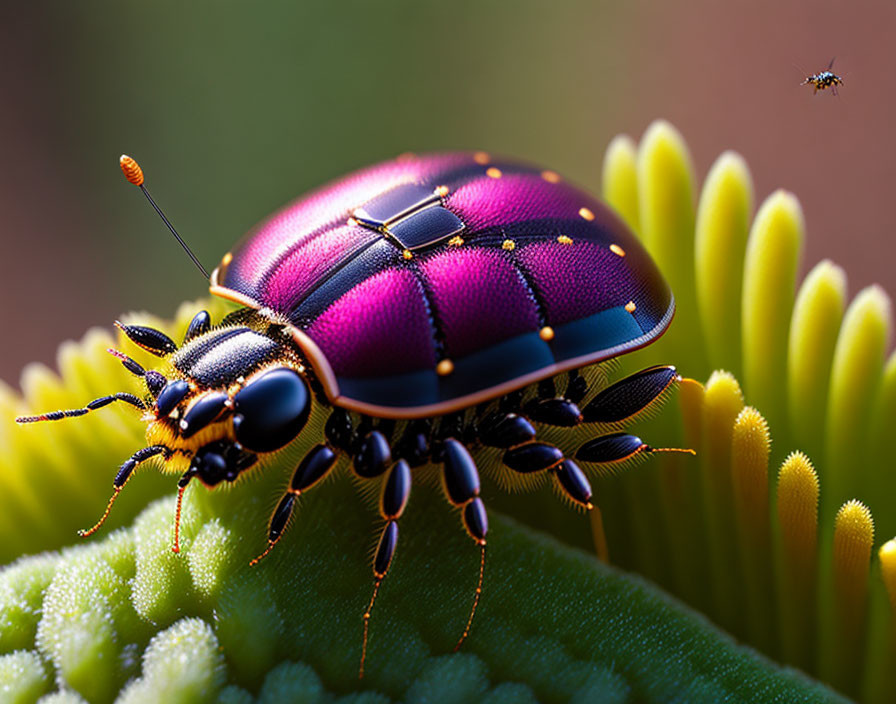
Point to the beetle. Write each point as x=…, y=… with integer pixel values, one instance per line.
x=824, y=79
x=444, y=311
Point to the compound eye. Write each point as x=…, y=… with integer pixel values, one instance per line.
x=271, y=410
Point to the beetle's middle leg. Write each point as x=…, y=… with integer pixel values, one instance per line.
x=461, y=483
x=393, y=499
x=314, y=466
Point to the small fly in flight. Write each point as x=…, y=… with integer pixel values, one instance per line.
x=825, y=79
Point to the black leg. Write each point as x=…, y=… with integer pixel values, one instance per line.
x=505, y=430
x=122, y=477
x=534, y=457
x=616, y=449
x=551, y=408
x=574, y=483
x=414, y=444
x=610, y=453
x=576, y=386
x=338, y=429
x=373, y=455
x=92, y=406
x=200, y=325
x=181, y=488
x=450, y=426
x=313, y=467
x=611, y=449
x=155, y=381
x=555, y=410
x=154, y=341
x=618, y=403
x=461, y=482
x=393, y=500
x=631, y=396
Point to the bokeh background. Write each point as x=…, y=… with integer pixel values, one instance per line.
x=235, y=108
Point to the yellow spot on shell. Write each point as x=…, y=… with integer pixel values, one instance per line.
x=617, y=250
x=407, y=254
x=509, y=245
x=493, y=172
x=481, y=158
x=564, y=239
x=587, y=214
x=442, y=191
x=444, y=367
x=227, y=259
x=630, y=307
x=551, y=176
x=546, y=333
x=456, y=241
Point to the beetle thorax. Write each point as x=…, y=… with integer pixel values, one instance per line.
x=233, y=393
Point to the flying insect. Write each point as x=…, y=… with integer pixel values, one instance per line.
x=824, y=80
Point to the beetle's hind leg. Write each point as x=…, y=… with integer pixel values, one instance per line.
x=619, y=402
x=552, y=408
x=632, y=396
x=613, y=406
x=515, y=434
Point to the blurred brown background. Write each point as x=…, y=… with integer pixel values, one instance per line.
x=235, y=108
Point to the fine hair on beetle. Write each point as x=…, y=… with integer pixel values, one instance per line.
x=431, y=338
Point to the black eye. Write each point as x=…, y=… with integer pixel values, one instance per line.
x=271, y=410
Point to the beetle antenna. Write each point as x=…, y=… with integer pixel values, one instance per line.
x=134, y=174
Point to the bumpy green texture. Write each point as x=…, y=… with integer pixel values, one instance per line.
x=555, y=625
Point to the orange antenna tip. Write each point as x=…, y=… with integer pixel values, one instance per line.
x=131, y=170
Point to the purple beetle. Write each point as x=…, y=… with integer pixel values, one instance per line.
x=438, y=310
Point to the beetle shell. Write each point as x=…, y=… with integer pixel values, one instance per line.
x=428, y=284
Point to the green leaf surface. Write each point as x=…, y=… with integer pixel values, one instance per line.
x=554, y=623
